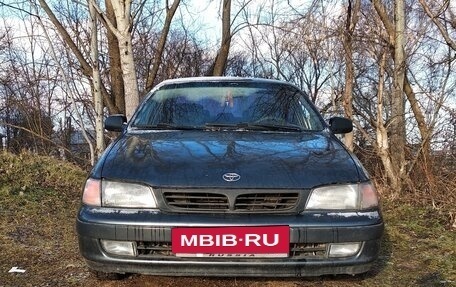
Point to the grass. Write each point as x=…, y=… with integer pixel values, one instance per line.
x=419, y=247
x=39, y=198
x=38, y=204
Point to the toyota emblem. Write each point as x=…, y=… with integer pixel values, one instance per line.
x=231, y=176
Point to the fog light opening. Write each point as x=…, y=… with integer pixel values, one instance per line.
x=126, y=248
x=344, y=249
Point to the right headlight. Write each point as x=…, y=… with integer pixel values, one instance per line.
x=343, y=197
x=118, y=194
x=122, y=194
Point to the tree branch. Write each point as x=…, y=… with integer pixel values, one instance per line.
x=106, y=22
x=86, y=68
x=439, y=25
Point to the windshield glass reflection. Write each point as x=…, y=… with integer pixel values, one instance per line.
x=236, y=104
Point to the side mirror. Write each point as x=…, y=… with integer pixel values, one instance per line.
x=115, y=123
x=339, y=125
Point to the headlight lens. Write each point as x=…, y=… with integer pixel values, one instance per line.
x=344, y=249
x=119, y=247
x=122, y=194
x=92, y=192
x=369, y=197
x=343, y=197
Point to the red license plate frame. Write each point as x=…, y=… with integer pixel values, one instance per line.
x=231, y=241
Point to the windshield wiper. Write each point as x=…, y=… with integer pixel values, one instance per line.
x=167, y=126
x=275, y=127
x=222, y=125
x=250, y=126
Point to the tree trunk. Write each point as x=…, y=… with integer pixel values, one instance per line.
x=397, y=127
x=381, y=131
x=123, y=19
x=161, y=44
x=352, y=19
x=115, y=71
x=96, y=79
x=222, y=55
x=424, y=128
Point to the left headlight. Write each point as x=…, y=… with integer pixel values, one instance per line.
x=122, y=194
x=343, y=197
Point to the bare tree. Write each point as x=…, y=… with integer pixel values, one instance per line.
x=28, y=91
x=84, y=65
x=122, y=12
x=358, y=57
x=440, y=19
x=223, y=52
x=115, y=67
x=350, y=25
x=170, y=11
x=97, y=97
x=381, y=132
x=398, y=125
x=398, y=109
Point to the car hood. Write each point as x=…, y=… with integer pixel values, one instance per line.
x=201, y=158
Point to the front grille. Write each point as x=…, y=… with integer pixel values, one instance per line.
x=297, y=250
x=266, y=201
x=196, y=201
x=153, y=249
x=307, y=250
x=236, y=201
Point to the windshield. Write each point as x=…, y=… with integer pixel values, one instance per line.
x=224, y=103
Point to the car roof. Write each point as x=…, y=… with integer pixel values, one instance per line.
x=219, y=79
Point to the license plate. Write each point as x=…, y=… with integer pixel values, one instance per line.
x=239, y=241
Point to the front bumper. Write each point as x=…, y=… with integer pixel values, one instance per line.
x=94, y=224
